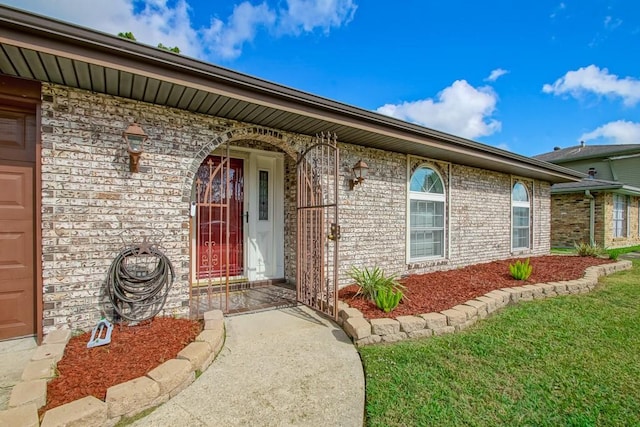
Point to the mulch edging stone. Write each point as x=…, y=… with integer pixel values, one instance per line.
x=122, y=400
x=365, y=332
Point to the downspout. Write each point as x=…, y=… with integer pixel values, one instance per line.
x=532, y=245
x=592, y=216
x=613, y=171
x=448, y=256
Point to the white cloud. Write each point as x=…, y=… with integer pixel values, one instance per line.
x=227, y=39
x=597, y=81
x=298, y=16
x=503, y=146
x=459, y=109
x=496, y=74
x=618, y=132
x=159, y=21
x=306, y=15
x=156, y=22
x=611, y=23
x=560, y=7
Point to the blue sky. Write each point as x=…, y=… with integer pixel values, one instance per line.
x=522, y=76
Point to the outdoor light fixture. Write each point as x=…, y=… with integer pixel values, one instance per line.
x=359, y=174
x=135, y=137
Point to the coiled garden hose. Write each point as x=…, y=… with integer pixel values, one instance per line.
x=138, y=294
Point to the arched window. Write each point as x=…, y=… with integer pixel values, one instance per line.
x=426, y=215
x=520, y=217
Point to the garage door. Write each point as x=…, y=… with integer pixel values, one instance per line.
x=17, y=281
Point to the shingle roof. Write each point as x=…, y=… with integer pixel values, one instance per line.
x=588, y=151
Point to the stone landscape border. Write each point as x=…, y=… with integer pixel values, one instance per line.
x=364, y=331
x=123, y=400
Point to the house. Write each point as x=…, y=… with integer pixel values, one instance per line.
x=603, y=208
x=220, y=181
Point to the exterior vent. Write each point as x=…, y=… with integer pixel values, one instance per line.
x=556, y=148
x=592, y=173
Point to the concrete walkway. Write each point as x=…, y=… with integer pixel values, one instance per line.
x=14, y=356
x=630, y=256
x=288, y=367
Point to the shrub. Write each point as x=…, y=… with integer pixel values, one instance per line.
x=614, y=254
x=372, y=281
x=586, y=249
x=388, y=299
x=521, y=270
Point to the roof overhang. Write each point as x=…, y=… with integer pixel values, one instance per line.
x=594, y=152
x=617, y=188
x=40, y=48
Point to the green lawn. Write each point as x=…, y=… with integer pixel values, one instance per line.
x=616, y=251
x=565, y=361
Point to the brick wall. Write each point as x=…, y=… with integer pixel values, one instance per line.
x=93, y=206
x=373, y=215
x=570, y=220
x=481, y=216
x=600, y=223
x=542, y=217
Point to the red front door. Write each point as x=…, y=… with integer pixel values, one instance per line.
x=219, y=218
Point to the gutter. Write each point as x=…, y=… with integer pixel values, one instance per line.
x=578, y=190
x=630, y=156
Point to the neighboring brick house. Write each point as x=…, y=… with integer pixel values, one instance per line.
x=602, y=209
x=430, y=201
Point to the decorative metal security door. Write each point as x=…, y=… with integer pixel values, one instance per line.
x=219, y=237
x=318, y=226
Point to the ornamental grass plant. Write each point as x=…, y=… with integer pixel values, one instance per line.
x=371, y=281
x=521, y=270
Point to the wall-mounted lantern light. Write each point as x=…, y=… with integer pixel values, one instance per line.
x=359, y=174
x=135, y=138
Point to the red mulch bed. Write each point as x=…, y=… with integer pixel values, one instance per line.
x=133, y=351
x=437, y=291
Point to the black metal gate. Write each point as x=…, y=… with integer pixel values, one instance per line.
x=318, y=226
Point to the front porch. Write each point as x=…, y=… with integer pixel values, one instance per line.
x=244, y=297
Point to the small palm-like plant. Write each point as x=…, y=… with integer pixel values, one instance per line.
x=372, y=281
x=586, y=249
x=388, y=299
x=521, y=270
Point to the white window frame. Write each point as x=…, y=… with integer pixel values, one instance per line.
x=620, y=223
x=520, y=204
x=432, y=197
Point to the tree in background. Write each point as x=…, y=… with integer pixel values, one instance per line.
x=174, y=49
x=129, y=35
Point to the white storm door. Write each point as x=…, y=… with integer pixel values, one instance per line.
x=265, y=254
